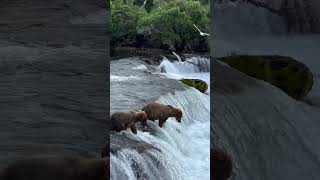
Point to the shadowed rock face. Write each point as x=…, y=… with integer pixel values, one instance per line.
x=53, y=95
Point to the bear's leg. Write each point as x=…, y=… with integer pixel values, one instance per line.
x=161, y=122
x=134, y=129
x=152, y=119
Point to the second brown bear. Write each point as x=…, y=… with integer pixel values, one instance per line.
x=123, y=120
x=161, y=112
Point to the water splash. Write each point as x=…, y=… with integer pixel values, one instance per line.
x=190, y=65
x=192, y=68
x=140, y=67
x=123, y=78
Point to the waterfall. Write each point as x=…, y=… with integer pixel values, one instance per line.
x=195, y=64
x=181, y=151
x=192, y=68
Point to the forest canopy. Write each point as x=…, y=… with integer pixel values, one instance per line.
x=165, y=24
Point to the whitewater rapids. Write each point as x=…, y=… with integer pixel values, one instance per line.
x=180, y=151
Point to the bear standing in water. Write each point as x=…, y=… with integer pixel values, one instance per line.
x=57, y=169
x=161, y=112
x=123, y=120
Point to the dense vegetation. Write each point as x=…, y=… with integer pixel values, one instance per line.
x=165, y=24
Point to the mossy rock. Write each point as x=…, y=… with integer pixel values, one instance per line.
x=288, y=74
x=196, y=83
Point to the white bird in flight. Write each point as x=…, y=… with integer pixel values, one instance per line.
x=144, y=3
x=201, y=33
x=177, y=56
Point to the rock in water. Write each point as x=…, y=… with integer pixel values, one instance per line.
x=286, y=73
x=196, y=83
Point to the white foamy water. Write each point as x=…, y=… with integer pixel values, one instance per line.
x=123, y=78
x=140, y=67
x=184, y=147
x=192, y=68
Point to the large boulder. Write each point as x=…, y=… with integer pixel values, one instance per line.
x=286, y=73
x=196, y=83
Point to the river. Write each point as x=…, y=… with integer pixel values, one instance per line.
x=176, y=151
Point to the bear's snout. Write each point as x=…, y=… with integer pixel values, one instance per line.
x=178, y=115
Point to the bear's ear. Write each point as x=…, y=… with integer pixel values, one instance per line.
x=169, y=106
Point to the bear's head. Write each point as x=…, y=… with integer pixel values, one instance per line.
x=141, y=117
x=177, y=113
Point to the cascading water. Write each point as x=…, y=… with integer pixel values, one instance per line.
x=180, y=151
x=191, y=68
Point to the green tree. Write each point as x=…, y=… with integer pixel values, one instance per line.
x=171, y=23
x=124, y=17
x=164, y=24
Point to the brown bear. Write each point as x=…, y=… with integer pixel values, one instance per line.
x=221, y=164
x=123, y=120
x=161, y=112
x=58, y=169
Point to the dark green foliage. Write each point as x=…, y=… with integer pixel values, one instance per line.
x=149, y=5
x=166, y=24
x=138, y=2
x=124, y=20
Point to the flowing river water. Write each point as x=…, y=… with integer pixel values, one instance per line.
x=176, y=151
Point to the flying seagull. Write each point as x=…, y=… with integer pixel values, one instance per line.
x=144, y=3
x=177, y=56
x=201, y=33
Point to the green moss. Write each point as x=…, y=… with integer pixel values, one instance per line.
x=198, y=84
x=291, y=76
